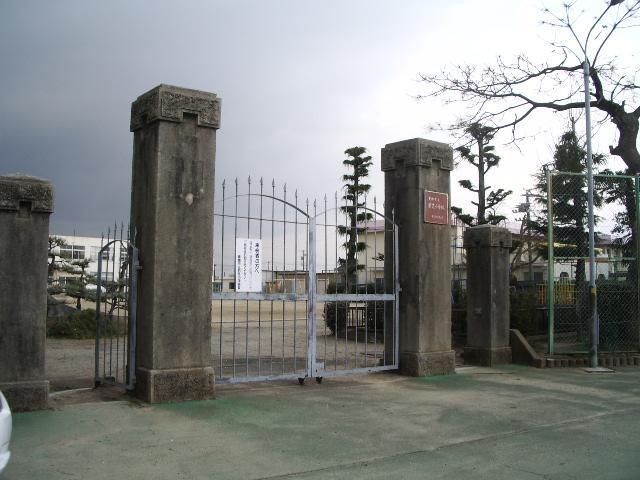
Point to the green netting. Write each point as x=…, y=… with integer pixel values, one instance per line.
x=616, y=270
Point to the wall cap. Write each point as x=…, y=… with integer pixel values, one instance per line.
x=169, y=103
x=17, y=188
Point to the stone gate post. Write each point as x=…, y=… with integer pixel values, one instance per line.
x=417, y=192
x=487, y=249
x=25, y=206
x=172, y=213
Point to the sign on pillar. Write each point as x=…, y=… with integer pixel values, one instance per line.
x=436, y=208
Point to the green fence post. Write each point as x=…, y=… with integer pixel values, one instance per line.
x=636, y=253
x=550, y=263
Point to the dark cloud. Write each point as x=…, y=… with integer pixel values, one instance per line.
x=300, y=82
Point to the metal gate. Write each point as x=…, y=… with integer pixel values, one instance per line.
x=116, y=310
x=320, y=311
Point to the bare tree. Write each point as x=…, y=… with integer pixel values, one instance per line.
x=505, y=94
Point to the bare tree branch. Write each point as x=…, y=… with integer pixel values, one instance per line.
x=503, y=95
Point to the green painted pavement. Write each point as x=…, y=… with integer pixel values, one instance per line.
x=510, y=422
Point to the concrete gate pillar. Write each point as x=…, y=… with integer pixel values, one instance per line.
x=417, y=190
x=487, y=295
x=25, y=206
x=172, y=213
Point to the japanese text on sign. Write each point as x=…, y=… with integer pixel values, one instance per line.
x=248, y=265
x=436, y=207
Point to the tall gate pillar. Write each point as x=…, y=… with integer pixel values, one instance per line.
x=487, y=295
x=172, y=214
x=25, y=206
x=417, y=190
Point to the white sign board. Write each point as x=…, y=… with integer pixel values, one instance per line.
x=248, y=265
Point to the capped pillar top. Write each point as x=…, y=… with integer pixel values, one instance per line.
x=18, y=188
x=417, y=152
x=167, y=102
x=487, y=236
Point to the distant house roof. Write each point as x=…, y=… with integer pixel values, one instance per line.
x=374, y=225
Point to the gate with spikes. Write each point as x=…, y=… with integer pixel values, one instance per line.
x=299, y=290
x=116, y=309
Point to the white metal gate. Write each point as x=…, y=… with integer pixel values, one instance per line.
x=319, y=311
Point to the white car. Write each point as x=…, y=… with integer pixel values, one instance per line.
x=5, y=432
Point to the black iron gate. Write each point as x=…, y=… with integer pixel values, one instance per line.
x=116, y=310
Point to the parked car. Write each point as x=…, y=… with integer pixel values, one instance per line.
x=5, y=432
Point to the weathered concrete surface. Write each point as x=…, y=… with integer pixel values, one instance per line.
x=506, y=423
x=25, y=205
x=523, y=353
x=172, y=210
x=488, y=301
x=411, y=167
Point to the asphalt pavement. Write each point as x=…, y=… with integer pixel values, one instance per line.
x=510, y=422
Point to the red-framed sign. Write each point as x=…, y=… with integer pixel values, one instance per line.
x=436, y=207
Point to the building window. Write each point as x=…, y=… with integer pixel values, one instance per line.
x=73, y=252
x=216, y=287
x=232, y=285
x=106, y=276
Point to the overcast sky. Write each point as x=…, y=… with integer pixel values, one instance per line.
x=301, y=81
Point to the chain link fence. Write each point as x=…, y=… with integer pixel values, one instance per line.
x=566, y=290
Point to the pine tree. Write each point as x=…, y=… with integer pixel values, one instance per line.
x=484, y=160
x=355, y=191
x=76, y=286
x=569, y=202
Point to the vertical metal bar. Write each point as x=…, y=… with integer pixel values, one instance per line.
x=593, y=293
x=375, y=279
x=222, y=219
x=104, y=337
x=396, y=289
x=551, y=264
x=134, y=266
x=260, y=301
x=124, y=282
x=335, y=278
x=366, y=279
x=235, y=285
x=306, y=305
x=636, y=253
x=284, y=264
x=295, y=278
x=110, y=261
x=311, y=311
x=98, y=303
x=326, y=270
x=246, y=329
x=315, y=304
x=116, y=310
x=346, y=283
x=273, y=213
